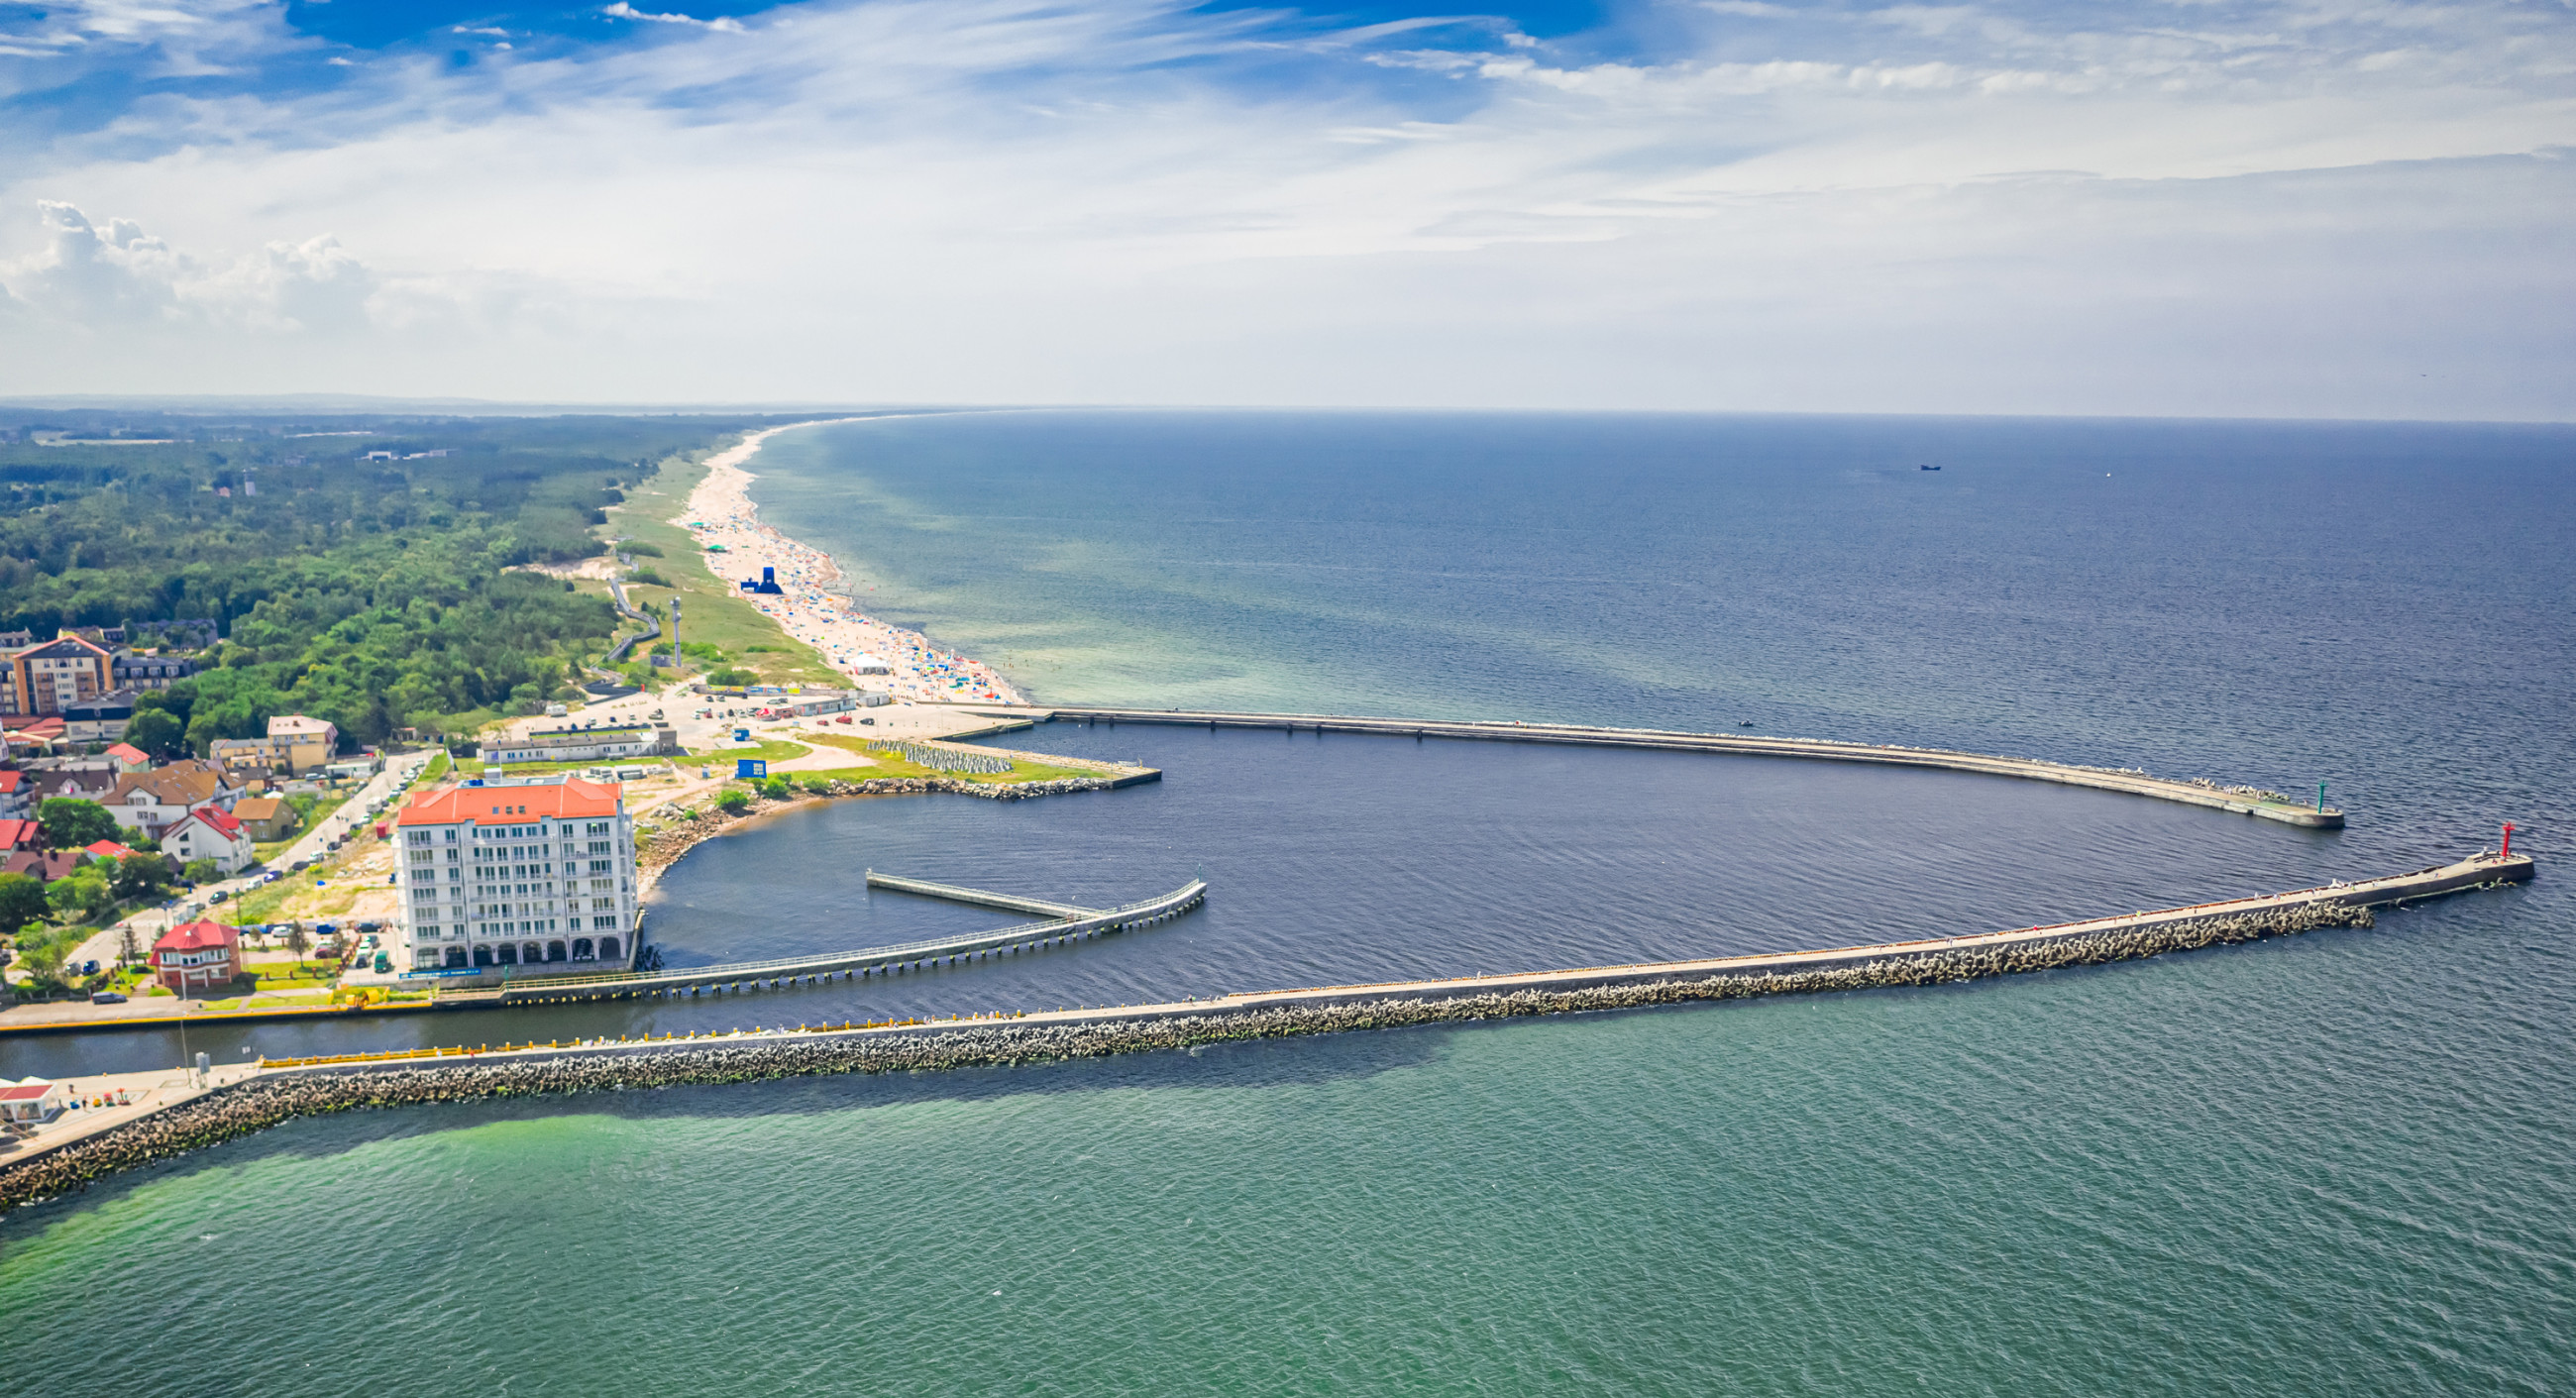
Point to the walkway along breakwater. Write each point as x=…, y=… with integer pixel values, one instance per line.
x=2244, y=800
x=283, y=1090
x=1066, y=924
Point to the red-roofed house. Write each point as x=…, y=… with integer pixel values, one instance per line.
x=16, y=835
x=13, y=793
x=129, y=758
x=196, y=956
x=32, y=1100
x=496, y=876
x=209, y=832
x=107, y=849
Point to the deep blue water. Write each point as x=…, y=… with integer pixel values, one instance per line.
x=2339, y=1163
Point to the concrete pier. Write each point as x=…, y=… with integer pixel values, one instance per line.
x=863, y=961
x=1008, y=902
x=2189, y=793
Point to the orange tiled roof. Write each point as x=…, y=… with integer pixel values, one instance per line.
x=499, y=805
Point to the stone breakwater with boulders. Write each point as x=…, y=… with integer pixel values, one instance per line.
x=268, y=1100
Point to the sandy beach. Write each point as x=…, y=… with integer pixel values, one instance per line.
x=720, y=513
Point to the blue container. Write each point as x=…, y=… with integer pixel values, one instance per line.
x=748, y=768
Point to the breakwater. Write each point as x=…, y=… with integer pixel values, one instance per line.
x=2236, y=799
x=304, y=1088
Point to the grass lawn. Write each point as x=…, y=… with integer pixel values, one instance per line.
x=890, y=764
x=714, y=609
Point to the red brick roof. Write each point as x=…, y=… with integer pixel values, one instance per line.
x=217, y=819
x=197, y=936
x=19, y=834
x=500, y=805
x=128, y=752
x=9, y=782
x=108, y=849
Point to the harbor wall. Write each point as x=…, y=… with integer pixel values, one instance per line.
x=2239, y=800
x=315, y=1088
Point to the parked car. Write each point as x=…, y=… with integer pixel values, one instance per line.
x=89, y=968
x=106, y=997
x=220, y=895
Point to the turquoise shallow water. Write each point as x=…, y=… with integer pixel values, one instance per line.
x=2341, y=1163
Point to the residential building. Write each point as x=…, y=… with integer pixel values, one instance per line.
x=583, y=744
x=32, y=1100
x=194, y=957
x=79, y=783
x=295, y=745
x=267, y=818
x=108, y=850
x=14, y=793
x=153, y=801
x=16, y=835
x=540, y=873
x=128, y=757
x=44, y=866
x=149, y=670
x=52, y=676
x=209, y=832
x=100, y=718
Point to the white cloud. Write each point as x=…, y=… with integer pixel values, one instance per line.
x=116, y=277
x=1958, y=207
x=623, y=10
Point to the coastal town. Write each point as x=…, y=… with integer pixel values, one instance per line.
x=295, y=870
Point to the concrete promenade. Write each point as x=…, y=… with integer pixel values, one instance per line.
x=1813, y=749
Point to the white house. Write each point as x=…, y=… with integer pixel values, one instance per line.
x=209, y=832
x=150, y=801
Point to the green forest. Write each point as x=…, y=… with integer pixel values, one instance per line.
x=373, y=593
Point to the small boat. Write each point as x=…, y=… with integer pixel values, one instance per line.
x=1927, y=468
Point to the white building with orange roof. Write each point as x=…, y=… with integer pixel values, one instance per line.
x=540, y=874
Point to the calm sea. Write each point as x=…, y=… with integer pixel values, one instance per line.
x=2342, y=1163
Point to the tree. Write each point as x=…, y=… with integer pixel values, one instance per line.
x=157, y=732
x=22, y=901
x=44, y=956
x=140, y=876
x=69, y=822
x=129, y=943
x=298, y=942
x=83, y=891
x=733, y=800
x=201, y=871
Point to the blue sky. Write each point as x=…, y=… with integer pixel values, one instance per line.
x=2320, y=208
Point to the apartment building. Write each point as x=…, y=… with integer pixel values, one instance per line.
x=536, y=874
